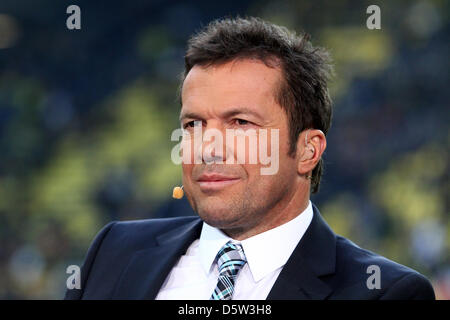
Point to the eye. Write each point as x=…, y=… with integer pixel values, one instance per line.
x=188, y=124
x=242, y=122
x=192, y=124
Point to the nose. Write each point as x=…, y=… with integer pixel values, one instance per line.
x=212, y=147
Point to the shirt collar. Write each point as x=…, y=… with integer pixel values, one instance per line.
x=277, y=243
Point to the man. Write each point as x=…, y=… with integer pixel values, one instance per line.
x=257, y=236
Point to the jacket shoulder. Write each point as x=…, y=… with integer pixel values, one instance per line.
x=112, y=249
x=376, y=277
x=161, y=224
x=143, y=232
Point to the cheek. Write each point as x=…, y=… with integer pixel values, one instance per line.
x=187, y=172
x=187, y=149
x=266, y=188
x=287, y=167
x=283, y=143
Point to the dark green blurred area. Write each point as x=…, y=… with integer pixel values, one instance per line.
x=86, y=117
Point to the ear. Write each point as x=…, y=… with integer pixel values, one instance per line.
x=310, y=147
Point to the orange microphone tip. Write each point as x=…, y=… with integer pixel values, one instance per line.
x=178, y=192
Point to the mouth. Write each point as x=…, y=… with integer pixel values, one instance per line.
x=215, y=182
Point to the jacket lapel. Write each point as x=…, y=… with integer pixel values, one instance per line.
x=313, y=258
x=148, y=268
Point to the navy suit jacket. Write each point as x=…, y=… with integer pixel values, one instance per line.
x=131, y=260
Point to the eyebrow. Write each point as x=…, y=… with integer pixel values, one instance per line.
x=192, y=115
x=227, y=114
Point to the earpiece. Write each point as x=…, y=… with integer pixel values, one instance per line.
x=178, y=192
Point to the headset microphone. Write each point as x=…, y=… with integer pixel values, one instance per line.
x=178, y=192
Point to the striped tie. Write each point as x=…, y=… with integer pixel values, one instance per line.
x=230, y=259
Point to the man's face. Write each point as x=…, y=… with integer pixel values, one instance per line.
x=236, y=95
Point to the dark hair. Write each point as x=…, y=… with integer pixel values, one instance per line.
x=306, y=70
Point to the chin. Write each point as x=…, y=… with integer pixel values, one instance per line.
x=216, y=213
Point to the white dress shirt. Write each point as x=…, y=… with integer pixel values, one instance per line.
x=195, y=275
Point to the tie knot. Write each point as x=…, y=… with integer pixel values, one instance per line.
x=231, y=259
